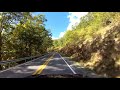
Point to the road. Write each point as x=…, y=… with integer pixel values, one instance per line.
x=52, y=63
x=49, y=64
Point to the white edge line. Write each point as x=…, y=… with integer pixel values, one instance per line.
x=22, y=64
x=68, y=65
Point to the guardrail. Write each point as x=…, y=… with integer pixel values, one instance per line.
x=10, y=63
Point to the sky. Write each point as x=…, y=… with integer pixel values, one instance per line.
x=59, y=22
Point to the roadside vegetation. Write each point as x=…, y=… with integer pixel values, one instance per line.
x=23, y=35
x=94, y=43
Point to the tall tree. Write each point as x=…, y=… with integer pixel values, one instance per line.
x=31, y=37
x=8, y=19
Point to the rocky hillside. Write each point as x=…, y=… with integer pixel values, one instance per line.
x=96, y=49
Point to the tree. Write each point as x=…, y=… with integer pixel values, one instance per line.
x=7, y=20
x=30, y=38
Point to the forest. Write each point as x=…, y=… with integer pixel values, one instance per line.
x=23, y=35
x=94, y=43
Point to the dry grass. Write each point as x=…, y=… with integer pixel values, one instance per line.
x=94, y=61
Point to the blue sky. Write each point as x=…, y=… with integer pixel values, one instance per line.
x=59, y=22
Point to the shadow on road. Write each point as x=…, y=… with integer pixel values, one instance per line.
x=23, y=70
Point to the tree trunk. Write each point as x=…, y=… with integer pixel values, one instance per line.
x=1, y=40
x=1, y=28
x=30, y=50
x=0, y=46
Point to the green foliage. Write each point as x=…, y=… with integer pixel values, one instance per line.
x=88, y=26
x=94, y=41
x=27, y=37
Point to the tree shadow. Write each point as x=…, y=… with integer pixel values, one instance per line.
x=57, y=67
x=23, y=70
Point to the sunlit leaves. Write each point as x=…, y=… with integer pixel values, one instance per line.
x=89, y=25
x=28, y=36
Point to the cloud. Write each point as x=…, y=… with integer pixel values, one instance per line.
x=74, y=18
x=54, y=38
x=61, y=34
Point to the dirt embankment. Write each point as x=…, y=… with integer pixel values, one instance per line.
x=101, y=53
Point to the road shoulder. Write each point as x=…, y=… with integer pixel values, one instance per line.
x=81, y=70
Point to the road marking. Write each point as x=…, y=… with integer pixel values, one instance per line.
x=68, y=65
x=42, y=67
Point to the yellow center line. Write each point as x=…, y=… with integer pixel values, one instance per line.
x=42, y=67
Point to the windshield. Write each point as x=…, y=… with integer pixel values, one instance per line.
x=59, y=44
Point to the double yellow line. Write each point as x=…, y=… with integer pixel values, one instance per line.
x=42, y=67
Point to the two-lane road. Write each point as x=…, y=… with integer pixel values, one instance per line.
x=52, y=63
x=58, y=65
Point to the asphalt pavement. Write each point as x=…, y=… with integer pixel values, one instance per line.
x=52, y=63
x=49, y=64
